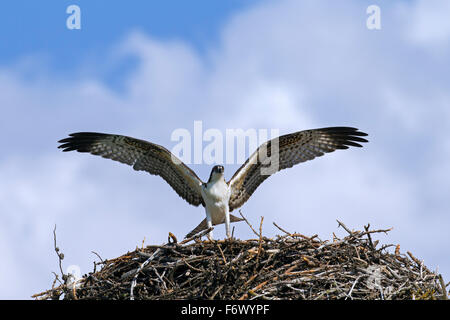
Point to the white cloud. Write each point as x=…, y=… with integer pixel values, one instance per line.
x=289, y=65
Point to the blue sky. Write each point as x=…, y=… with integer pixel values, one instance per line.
x=147, y=70
x=38, y=28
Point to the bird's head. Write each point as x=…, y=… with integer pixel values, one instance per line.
x=216, y=173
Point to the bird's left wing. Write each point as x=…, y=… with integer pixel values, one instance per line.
x=141, y=155
x=290, y=150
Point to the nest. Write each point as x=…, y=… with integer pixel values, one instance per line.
x=289, y=266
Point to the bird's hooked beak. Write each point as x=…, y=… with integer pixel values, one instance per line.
x=216, y=173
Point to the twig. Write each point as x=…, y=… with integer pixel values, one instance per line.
x=160, y=277
x=134, y=282
x=216, y=292
x=281, y=229
x=221, y=252
x=368, y=235
x=397, y=250
x=197, y=236
x=60, y=255
x=345, y=227
x=375, y=231
x=349, y=294
x=443, y=287
x=98, y=256
x=245, y=219
x=171, y=237
x=260, y=236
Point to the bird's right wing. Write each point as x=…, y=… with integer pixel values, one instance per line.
x=141, y=155
x=292, y=148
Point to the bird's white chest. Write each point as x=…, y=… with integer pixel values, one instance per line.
x=216, y=195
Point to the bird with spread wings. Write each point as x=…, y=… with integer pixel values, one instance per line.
x=217, y=196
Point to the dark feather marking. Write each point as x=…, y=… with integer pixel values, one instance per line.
x=141, y=155
x=294, y=148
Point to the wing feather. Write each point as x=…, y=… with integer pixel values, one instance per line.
x=141, y=155
x=293, y=148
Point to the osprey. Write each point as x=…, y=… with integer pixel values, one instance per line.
x=217, y=196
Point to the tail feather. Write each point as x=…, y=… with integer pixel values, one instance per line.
x=203, y=225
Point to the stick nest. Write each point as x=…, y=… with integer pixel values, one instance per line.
x=290, y=266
